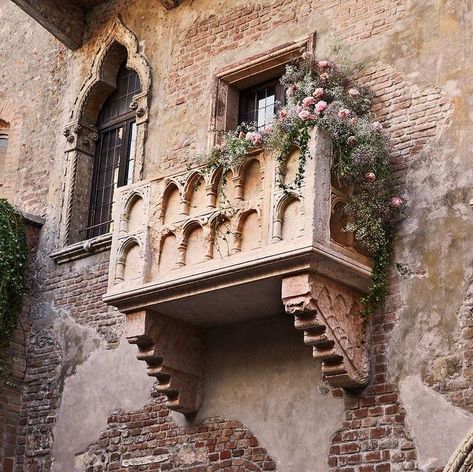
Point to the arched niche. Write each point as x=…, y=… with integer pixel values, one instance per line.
x=223, y=237
x=290, y=167
x=168, y=253
x=292, y=223
x=133, y=264
x=133, y=216
x=171, y=203
x=119, y=45
x=195, y=245
x=338, y=222
x=196, y=194
x=129, y=265
x=249, y=231
x=252, y=179
x=226, y=190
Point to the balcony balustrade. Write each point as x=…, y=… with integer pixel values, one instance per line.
x=195, y=250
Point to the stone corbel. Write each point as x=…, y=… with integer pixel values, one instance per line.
x=329, y=314
x=174, y=354
x=80, y=137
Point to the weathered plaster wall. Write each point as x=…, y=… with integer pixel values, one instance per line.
x=418, y=54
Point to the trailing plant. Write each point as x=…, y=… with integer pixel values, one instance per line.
x=13, y=257
x=322, y=94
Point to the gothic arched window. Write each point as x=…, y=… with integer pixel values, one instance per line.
x=114, y=152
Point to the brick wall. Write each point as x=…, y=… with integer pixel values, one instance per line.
x=13, y=359
x=150, y=438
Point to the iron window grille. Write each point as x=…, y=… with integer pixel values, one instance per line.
x=115, y=151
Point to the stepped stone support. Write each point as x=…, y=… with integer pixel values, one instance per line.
x=174, y=353
x=329, y=314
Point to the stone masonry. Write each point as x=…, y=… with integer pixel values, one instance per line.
x=75, y=398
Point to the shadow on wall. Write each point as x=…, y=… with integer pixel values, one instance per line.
x=261, y=373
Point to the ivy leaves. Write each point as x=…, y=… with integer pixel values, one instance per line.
x=13, y=259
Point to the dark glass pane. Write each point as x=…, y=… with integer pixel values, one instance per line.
x=128, y=85
x=259, y=106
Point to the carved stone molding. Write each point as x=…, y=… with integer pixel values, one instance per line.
x=462, y=459
x=329, y=314
x=81, y=134
x=174, y=353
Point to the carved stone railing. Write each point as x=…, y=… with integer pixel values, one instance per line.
x=193, y=250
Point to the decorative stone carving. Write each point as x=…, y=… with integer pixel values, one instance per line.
x=208, y=259
x=81, y=133
x=329, y=315
x=462, y=458
x=174, y=354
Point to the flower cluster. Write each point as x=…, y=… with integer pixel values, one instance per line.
x=319, y=93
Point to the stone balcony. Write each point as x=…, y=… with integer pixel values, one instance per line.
x=191, y=251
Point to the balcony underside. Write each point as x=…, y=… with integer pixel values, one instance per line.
x=238, y=291
x=66, y=20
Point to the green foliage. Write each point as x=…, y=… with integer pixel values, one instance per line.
x=13, y=258
x=320, y=93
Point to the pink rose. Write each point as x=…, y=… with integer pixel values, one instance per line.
x=254, y=137
x=291, y=90
x=370, y=177
x=320, y=106
x=318, y=92
x=282, y=114
x=323, y=64
x=353, y=92
x=396, y=202
x=304, y=115
x=377, y=126
x=344, y=113
x=308, y=101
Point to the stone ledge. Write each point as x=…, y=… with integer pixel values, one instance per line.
x=82, y=249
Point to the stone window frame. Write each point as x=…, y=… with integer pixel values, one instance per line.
x=81, y=135
x=12, y=119
x=236, y=77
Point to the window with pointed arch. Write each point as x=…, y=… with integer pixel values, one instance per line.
x=114, y=152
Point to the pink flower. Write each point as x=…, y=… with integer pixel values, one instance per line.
x=304, y=115
x=318, y=92
x=282, y=114
x=370, y=177
x=320, y=106
x=254, y=137
x=292, y=90
x=308, y=101
x=396, y=202
x=353, y=92
x=351, y=141
x=377, y=126
x=344, y=113
x=241, y=135
x=313, y=116
x=323, y=64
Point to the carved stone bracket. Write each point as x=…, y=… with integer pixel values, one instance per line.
x=174, y=353
x=329, y=314
x=462, y=459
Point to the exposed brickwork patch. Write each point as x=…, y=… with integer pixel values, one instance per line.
x=150, y=439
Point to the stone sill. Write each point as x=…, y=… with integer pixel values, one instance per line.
x=82, y=249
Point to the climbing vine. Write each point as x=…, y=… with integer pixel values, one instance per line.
x=321, y=93
x=13, y=256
